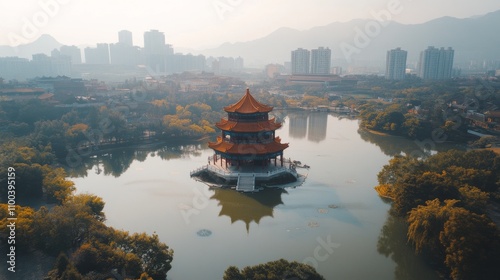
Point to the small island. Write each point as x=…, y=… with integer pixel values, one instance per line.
x=247, y=151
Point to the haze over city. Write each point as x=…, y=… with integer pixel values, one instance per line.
x=257, y=140
x=199, y=24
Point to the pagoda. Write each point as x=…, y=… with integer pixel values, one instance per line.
x=248, y=136
x=247, y=153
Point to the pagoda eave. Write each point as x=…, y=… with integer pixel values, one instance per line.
x=227, y=148
x=269, y=125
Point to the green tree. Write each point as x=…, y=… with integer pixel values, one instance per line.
x=29, y=180
x=233, y=273
x=51, y=133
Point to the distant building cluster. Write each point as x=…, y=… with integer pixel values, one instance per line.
x=40, y=65
x=156, y=54
x=434, y=64
x=315, y=62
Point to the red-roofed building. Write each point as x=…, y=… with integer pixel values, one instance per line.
x=248, y=135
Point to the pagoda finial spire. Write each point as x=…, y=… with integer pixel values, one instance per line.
x=248, y=90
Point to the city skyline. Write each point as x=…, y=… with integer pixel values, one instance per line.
x=209, y=24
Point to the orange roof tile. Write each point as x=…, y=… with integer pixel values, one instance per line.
x=269, y=125
x=248, y=105
x=242, y=149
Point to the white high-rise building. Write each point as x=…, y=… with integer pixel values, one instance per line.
x=436, y=64
x=300, y=61
x=155, y=50
x=97, y=55
x=321, y=61
x=125, y=37
x=395, y=68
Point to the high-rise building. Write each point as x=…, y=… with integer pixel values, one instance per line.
x=155, y=50
x=178, y=63
x=395, y=67
x=125, y=37
x=239, y=64
x=73, y=52
x=51, y=66
x=436, y=64
x=321, y=61
x=122, y=54
x=300, y=61
x=98, y=55
x=15, y=68
x=446, y=63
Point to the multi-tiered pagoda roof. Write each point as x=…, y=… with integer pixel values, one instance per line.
x=248, y=133
x=247, y=150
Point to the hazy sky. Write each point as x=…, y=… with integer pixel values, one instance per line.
x=200, y=24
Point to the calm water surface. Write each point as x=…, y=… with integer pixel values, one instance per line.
x=149, y=190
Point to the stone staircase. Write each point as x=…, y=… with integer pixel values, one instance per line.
x=246, y=183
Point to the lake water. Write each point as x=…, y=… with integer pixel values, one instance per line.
x=335, y=221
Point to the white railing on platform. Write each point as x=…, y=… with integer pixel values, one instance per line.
x=198, y=170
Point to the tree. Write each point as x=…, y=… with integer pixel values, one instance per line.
x=51, y=133
x=274, y=270
x=98, y=257
x=425, y=224
x=474, y=199
x=472, y=245
x=56, y=187
x=94, y=203
x=156, y=257
x=29, y=180
x=467, y=243
x=64, y=227
x=24, y=224
x=233, y=273
x=63, y=269
x=75, y=134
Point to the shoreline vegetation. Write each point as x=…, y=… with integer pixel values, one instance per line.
x=447, y=201
x=70, y=229
x=452, y=189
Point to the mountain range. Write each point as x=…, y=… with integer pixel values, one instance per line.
x=44, y=44
x=357, y=42
x=472, y=39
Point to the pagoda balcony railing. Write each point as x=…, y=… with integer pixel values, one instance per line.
x=248, y=117
x=247, y=141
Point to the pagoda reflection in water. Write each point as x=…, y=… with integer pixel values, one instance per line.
x=248, y=207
